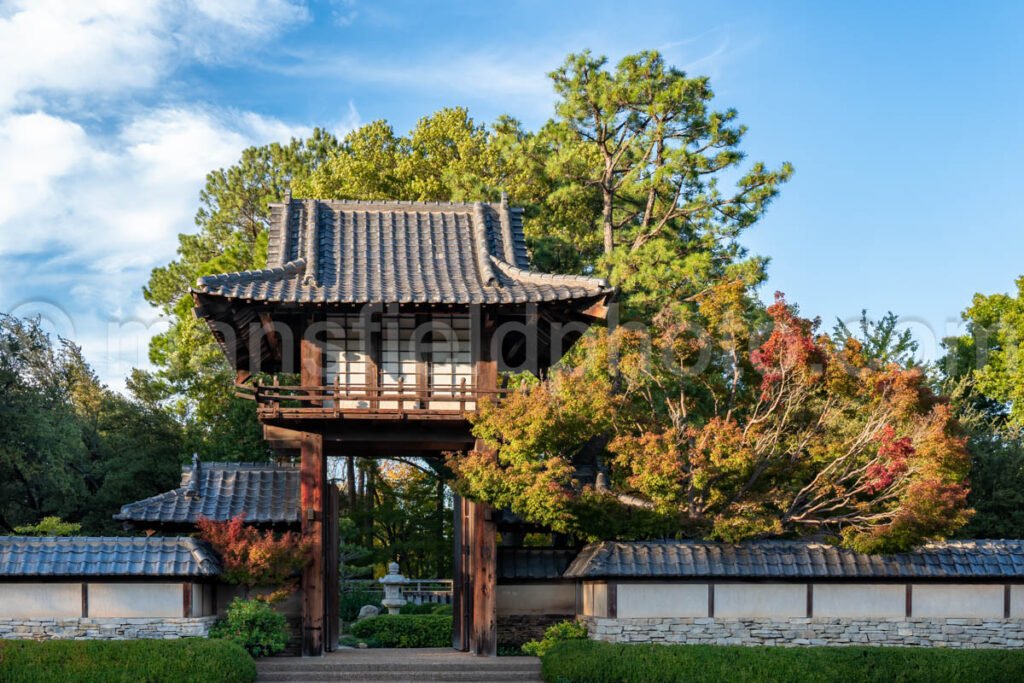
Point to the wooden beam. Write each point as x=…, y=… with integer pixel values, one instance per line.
x=186, y=600
x=313, y=477
x=85, y=600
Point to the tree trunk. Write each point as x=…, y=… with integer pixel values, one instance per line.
x=439, y=525
x=606, y=219
x=350, y=476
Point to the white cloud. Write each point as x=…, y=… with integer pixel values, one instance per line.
x=254, y=17
x=110, y=46
x=120, y=200
x=88, y=215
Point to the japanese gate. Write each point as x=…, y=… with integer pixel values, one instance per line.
x=375, y=330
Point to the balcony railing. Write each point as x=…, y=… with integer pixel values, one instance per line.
x=278, y=401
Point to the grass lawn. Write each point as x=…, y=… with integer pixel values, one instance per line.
x=124, y=661
x=585, y=661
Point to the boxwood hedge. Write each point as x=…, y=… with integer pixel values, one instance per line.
x=405, y=630
x=585, y=661
x=124, y=661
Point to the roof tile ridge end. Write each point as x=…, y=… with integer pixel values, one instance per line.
x=312, y=242
x=485, y=260
x=505, y=218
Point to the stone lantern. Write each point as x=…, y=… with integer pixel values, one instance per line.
x=392, y=583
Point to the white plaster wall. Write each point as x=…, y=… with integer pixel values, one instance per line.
x=775, y=600
x=135, y=600
x=202, y=600
x=40, y=600
x=595, y=599
x=538, y=598
x=662, y=600
x=958, y=600
x=1017, y=601
x=853, y=601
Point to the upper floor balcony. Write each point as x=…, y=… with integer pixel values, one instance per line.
x=278, y=402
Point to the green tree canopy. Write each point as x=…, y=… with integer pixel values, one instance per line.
x=70, y=447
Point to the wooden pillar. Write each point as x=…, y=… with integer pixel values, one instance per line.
x=483, y=560
x=462, y=600
x=332, y=608
x=313, y=485
x=482, y=530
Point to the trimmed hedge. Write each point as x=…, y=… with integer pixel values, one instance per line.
x=125, y=661
x=594, y=662
x=405, y=630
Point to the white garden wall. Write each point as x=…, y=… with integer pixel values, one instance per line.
x=40, y=600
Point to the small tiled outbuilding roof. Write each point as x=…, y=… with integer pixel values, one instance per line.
x=70, y=556
x=266, y=493
x=357, y=252
x=982, y=559
x=531, y=564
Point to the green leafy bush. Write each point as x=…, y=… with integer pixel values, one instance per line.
x=254, y=625
x=125, y=661
x=554, y=634
x=586, y=661
x=406, y=630
x=352, y=601
x=425, y=608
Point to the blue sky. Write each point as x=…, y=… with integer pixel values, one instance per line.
x=905, y=122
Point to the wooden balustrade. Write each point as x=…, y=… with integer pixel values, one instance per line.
x=441, y=401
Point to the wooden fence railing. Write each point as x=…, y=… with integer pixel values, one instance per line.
x=279, y=400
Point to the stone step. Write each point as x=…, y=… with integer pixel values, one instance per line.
x=333, y=664
x=352, y=678
x=446, y=676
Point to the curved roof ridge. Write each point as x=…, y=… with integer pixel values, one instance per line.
x=536, y=277
x=296, y=267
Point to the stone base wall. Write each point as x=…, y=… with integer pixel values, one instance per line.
x=105, y=628
x=951, y=633
x=516, y=629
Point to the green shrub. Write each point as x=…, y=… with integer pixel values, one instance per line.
x=125, y=661
x=425, y=608
x=554, y=634
x=593, y=662
x=254, y=625
x=352, y=601
x=406, y=630
x=412, y=608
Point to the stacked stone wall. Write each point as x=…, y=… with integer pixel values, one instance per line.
x=920, y=632
x=105, y=628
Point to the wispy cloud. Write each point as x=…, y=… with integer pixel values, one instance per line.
x=96, y=184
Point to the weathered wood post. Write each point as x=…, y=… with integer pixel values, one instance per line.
x=313, y=485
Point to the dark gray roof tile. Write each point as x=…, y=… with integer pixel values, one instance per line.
x=518, y=564
x=970, y=559
x=397, y=252
x=266, y=493
x=66, y=556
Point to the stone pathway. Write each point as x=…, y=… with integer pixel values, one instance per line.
x=400, y=666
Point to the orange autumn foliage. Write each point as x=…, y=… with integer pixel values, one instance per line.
x=253, y=557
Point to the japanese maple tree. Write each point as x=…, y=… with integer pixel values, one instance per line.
x=253, y=557
x=726, y=434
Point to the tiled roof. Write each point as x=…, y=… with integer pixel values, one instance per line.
x=796, y=559
x=533, y=563
x=27, y=556
x=265, y=492
x=397, y=252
